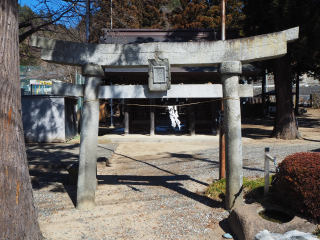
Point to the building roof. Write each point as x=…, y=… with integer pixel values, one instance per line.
x=302, y=91
x=309, y=90
x=131, y=36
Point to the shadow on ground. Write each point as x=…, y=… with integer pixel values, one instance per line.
x=308, y=122
x=256, y=132
x=52, y=155
x=50, y=164
x=168, y=182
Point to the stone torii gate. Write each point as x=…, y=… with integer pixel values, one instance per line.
x=94, y=57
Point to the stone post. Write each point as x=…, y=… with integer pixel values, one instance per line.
x=232, y=128
x=89, y=137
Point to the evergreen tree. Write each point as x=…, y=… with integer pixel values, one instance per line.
x=203, y=14
x=132, y=14
x=276, y=15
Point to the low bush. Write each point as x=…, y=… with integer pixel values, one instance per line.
x=297, y=184
x=317, y=232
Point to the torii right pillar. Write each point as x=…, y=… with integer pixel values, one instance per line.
x=230, y=72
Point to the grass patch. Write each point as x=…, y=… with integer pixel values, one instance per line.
x=217, y=190
x=253, y=188
x=76, y=138
x=317, y=232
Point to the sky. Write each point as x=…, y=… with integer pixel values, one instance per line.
x=29, y=3
x=54, y=4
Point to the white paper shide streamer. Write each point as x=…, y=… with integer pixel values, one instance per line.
x=174, y=116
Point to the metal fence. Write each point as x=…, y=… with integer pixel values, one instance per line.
x=267, y=159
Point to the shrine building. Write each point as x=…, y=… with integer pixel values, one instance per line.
x=202, y=117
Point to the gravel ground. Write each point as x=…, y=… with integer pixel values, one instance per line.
x=253, y=155
x=148, y=190
x=149, y=194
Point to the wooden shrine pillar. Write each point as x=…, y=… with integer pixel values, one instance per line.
x=120, y=108
x=214, y=117
x=152, y=117
x=222, y=146
x=192, y=118
x=126, y=117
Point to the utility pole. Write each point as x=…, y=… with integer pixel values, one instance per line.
x=222, y=148
x=223, y=20
x=111, y=114
x=111, y=14
x=111, y=100
x=87, y=20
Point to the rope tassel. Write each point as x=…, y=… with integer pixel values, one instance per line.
x=173, y=111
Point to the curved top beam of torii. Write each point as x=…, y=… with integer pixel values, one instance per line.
x=187, y=54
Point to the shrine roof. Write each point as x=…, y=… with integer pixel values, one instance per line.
x=131, y=36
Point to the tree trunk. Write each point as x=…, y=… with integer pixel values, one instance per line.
x=296, y=110
x=285, y=124
x=264, y=90
x=18, y=218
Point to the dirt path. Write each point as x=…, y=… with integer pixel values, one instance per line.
x=259, y=130
x=155, y=190
x=145, y=194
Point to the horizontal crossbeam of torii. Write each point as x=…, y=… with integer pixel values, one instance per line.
x=94, y=57
x=142, y=91
x=187, y=54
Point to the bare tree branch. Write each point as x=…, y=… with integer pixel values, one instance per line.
x=28, y=33
x=24, y=24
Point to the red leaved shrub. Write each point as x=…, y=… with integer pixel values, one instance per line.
x=297, y=184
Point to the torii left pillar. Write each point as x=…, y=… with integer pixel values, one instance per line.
x=89, y=137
